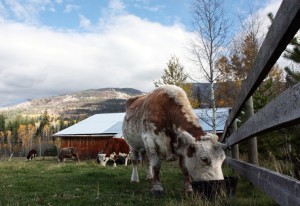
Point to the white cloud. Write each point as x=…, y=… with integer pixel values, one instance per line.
x=127, y=52
x=71, y=7
x=27, y=11
x=2, y=10
x=117, y=5
x=84, y=22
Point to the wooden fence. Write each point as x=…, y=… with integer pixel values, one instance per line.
x=282, y=111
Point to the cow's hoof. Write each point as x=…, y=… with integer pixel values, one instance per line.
x=157, y=193
x=188, y=190
x=134, y=181
x=189, y=193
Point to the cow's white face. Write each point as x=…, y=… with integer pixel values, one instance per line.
x=203, y=159
x=102, y=158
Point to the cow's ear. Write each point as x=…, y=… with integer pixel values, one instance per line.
x=185, y=136
x=185, y=140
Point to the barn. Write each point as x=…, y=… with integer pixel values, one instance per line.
x=91, y=135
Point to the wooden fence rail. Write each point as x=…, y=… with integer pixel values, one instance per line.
x=283, y=189
x=283, y=111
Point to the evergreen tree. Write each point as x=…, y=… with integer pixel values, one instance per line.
x=61, y=123
x=2, y=122
x=173, y=74
x=293, y=53
x=45, y=119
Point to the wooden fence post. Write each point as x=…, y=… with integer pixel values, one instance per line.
x=234, y=148
x=252, y=143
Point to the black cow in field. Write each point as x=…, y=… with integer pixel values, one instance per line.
x=68, y=152
x=31, y=154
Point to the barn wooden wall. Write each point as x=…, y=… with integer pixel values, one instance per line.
x=88, y=147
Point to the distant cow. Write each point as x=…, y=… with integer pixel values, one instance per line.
x=31, y=154
x=113, y=150
x=163, y=124
x=68, y=152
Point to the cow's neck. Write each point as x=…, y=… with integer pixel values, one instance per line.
x=186, y=120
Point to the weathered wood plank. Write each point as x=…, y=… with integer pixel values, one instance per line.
x=286, y=24
x=280, y=112
x=283, y=189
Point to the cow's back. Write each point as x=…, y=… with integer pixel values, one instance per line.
x=117, y=145
x=142, y=110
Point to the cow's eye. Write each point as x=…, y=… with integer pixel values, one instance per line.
x=204, y=159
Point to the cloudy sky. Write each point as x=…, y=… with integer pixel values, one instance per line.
x=53, y=47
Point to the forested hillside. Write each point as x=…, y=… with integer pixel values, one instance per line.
x=32, y=123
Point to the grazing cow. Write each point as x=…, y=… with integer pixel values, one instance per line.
x=68, y=152
x=114, y=148
x=163, y=124
x=31, y=154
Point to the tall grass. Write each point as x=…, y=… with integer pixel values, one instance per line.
x=47, y=182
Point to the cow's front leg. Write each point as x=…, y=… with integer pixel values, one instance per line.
x=134, y=162
x=186, y=177
x=126, y=159
x=157, y=189
x=149, y=172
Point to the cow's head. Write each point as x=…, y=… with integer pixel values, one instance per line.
x=203, y=159
x=102, y=159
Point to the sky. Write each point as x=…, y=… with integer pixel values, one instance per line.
x=55, y=47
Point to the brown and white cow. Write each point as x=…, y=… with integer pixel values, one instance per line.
x=113, y=150
x=164, y=123
x=31, y=154
x=68, y=152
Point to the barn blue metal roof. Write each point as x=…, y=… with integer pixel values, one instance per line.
x=205, y=118
x=98, y=124
x=111, y=123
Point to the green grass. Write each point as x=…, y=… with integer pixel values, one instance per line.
x=47, y=182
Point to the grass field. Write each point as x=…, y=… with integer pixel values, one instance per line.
x=47, y=182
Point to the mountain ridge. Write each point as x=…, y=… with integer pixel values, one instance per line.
x=86, y=102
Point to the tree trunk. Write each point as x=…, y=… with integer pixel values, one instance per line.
x=213, y=101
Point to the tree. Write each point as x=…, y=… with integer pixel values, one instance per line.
x=292, y=77
x=9, y=143
x=44, y=120
x=31, y=131
x=293, y=54
x=210, y=37
x=2, y=131
x=2, y=122
x=22, y=134
x=174, y=74
x=61, y=123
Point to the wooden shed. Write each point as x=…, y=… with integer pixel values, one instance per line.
x=90, y=135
